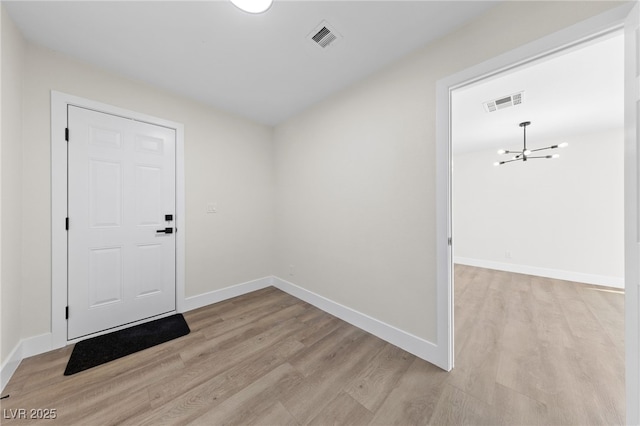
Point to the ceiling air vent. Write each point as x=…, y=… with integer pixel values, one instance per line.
x=324, y=35
x=504, y=102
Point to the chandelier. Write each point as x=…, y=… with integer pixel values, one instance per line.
x=526, y=154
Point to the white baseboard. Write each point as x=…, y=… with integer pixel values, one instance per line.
x=205, y=299
x=24, y=349
x=10, y=366
x=36, y=345
x=417, y=346
x=617, y=282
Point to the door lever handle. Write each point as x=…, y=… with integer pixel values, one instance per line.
x=165, y=231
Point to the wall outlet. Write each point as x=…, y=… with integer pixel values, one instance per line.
x=292, y=270
x=212, y=208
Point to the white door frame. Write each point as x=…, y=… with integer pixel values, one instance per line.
x=544, y=47
x=59, y=198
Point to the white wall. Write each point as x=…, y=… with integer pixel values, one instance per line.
x=12, y=50
x=356, y=173
x=560, y=218
x=228, y=161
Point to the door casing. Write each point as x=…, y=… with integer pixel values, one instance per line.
x=59, y=199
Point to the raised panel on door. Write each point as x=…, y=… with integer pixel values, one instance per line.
x=121, y=185
x=149, y=210
x=149, y=270
x=105, y=193
x=105, y=276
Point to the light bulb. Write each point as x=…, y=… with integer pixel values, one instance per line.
x=563, y=145
x=502, y=151
x=253, y=6
x=497, y=163
x=555, y=156
x=527, y=152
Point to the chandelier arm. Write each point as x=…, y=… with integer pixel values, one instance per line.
x=539, y=156
x=511, y=161
x=542, y=149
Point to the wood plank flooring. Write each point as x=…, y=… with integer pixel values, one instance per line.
x=529, y=350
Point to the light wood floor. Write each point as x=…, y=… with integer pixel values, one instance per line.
x=529, y=350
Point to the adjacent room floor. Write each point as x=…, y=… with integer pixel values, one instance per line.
x=529, y=350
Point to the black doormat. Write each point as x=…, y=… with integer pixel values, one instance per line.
x=102, y=349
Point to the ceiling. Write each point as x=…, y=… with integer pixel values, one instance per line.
x=571, y=93
x=262, y=67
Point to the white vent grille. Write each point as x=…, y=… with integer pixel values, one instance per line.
x=504, y=102
x=324, y=35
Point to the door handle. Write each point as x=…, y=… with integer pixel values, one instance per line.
x=165, y=231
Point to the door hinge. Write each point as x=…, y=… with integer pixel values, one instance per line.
x=66, y=312
x=450, y=241
x=66, y=223
x=66, y=134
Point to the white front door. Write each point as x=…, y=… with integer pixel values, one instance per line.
x=121, y=209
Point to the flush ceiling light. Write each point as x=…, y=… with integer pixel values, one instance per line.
x=253, y=6
x=525, y=153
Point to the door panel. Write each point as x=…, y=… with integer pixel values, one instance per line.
x=148, y=274
x=121, y=185
x=105, y=194
x=105, y=276
x=148, y=195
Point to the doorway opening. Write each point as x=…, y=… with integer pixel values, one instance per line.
x=625, y=16
x=521, y=227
